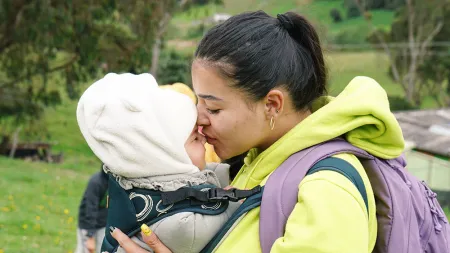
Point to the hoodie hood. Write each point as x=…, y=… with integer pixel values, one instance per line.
x=360, y=113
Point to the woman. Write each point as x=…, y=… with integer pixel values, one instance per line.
x=260, y=83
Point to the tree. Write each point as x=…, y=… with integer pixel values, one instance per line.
x=409, y=42
x=175, y=67
x=47, y=43
x=161, y=30
x=164, y=23
x=435, y=70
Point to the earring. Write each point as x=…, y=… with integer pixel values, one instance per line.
x=272, y=123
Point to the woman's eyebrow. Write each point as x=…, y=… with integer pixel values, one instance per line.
x=209, y=97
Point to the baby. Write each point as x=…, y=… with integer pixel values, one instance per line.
x=149, y=143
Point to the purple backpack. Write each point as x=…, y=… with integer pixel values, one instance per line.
x=410, y=220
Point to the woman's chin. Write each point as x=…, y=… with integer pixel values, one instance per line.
x=219, y=152
x=224, y=155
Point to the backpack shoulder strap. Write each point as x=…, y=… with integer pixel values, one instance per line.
x=281, y=189
x=249, y=204
x=344, y=168
x=330, y=163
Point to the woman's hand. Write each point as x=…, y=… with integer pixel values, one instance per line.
x=149, y=238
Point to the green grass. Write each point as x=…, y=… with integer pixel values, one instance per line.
x=62, y=125
x=39, y=201
x=319, y=11
x=233, y=7
x=38, y=206
x=343, y=67
x=195, y=13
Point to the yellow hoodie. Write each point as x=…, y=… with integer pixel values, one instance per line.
x=330, y=215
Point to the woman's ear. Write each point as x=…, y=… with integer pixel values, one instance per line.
x=274, y=103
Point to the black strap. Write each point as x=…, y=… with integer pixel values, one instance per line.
x=249, y=204
x=346, y=169
x=210, y=195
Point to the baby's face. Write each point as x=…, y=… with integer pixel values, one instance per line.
x=195, y=147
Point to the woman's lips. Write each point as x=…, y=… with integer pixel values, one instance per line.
x=210, y=140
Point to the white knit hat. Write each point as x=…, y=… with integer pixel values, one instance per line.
x=136, y=128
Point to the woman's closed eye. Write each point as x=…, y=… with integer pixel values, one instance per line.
x=213, y=111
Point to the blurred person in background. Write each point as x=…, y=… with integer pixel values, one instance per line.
x=92, y=214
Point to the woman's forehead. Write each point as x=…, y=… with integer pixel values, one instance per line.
x=206, y=81
x=210, y=85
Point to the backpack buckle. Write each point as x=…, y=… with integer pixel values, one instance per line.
x=217, y=194
x=233, y=194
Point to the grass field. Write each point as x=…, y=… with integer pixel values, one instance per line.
x=39, y=201
x=38, y=206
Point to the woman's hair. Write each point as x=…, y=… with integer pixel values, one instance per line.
x=258, y=53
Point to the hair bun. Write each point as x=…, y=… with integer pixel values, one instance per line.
x=286, y=22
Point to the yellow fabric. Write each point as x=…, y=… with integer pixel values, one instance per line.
x=210, y=155
x=330, y=215
x=182, y=88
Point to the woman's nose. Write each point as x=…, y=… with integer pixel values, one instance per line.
x=202, y=119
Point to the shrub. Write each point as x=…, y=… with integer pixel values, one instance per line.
x=398, y=103
x=336, y=15
x=174, y=67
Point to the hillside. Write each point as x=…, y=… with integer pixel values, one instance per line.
x=350, y=30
